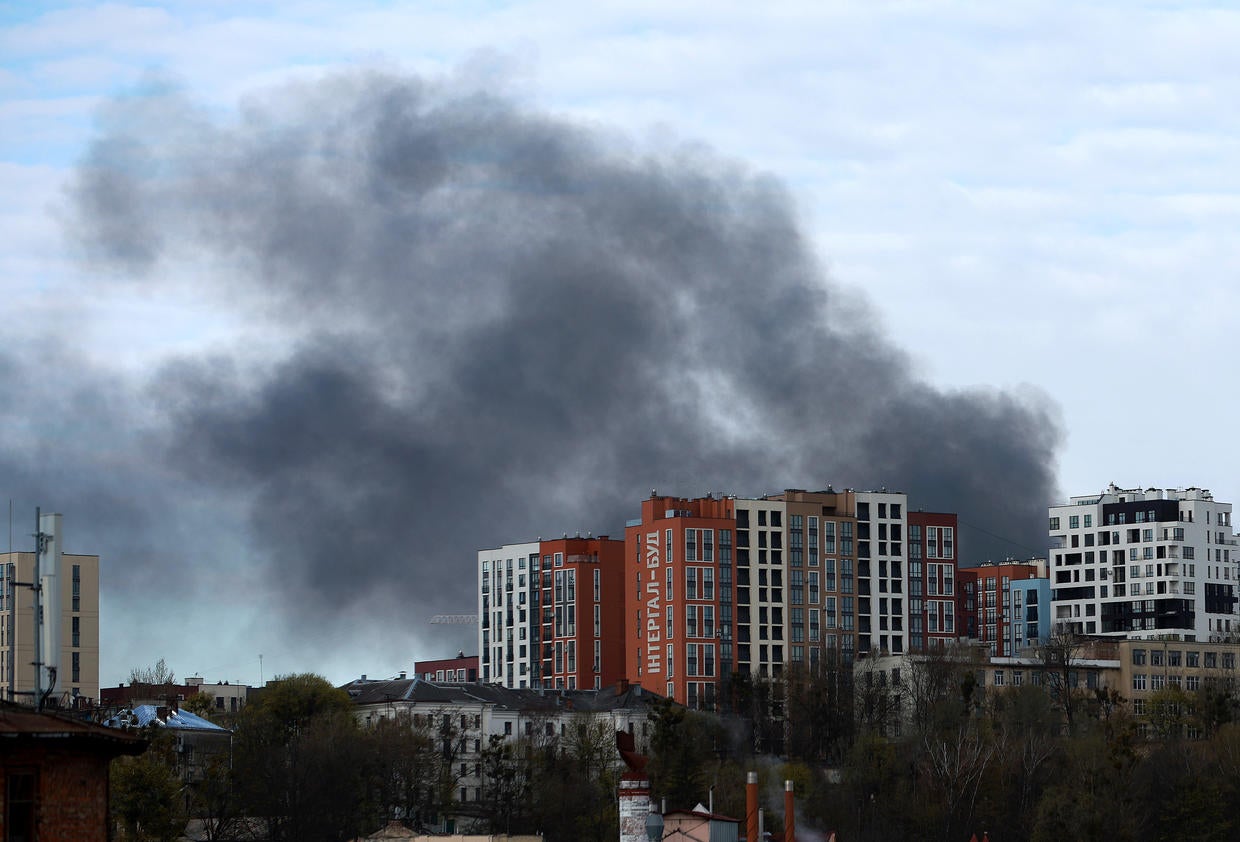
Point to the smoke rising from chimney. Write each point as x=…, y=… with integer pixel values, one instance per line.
x=491, y=323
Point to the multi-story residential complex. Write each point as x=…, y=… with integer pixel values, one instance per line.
x=1144, y=563
x=824, y=611
x=932, y=567
x=882, y=612
x=723, y=585
x=1029, y=621
x=508, y=615
x=542, y=610
x=70, y=631
x=680, y=595
x=992, y=605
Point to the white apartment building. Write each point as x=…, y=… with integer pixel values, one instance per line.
x=507, y=594
x=1149, y=563
x=882, y=605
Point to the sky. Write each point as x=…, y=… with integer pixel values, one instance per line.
x=306, y=302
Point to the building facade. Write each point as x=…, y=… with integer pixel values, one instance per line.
x=548, y=613
x=995, y=603
x=932, y=566
x=460, y=669
x=681, y=618
x=719, y=585
x=1144, y=563
x=70, y=633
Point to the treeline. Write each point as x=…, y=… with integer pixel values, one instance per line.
x=300, y=767
x=933, y=755
x=926, y=756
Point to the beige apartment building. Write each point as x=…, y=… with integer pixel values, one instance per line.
x=70, y=643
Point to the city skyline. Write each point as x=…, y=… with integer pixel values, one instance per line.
x=1022, y=217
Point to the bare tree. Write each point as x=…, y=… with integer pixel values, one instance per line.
x=1061, y=655
x=159, y=675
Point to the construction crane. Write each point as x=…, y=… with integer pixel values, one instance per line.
x=454, y=619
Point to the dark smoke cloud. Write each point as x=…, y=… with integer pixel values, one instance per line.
x=495, y=324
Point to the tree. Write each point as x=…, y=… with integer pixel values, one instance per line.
x=145, y=796
x=819, y=705
x=201, y=703
x=158, y=675
x=301, y=761
x=1168, y=711
x=405, y=769
x=684, y=745
x=1060, y=656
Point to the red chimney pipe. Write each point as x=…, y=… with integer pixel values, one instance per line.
x=790, y=814
x=751, y=807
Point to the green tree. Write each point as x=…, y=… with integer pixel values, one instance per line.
x=405, y=769
x=145, y=793
x=684, y=746
x=301, y=761
x=201, y=703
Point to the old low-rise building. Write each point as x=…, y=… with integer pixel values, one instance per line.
x=54, y=774
x=465, y=717
x=198, y=740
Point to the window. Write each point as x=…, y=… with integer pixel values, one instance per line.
x=1138, y=681
x=19, y=818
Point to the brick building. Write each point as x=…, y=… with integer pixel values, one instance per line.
x=54, y=775
x=460, y=669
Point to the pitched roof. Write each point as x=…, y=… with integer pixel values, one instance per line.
x=22, y=724
x=417, y=690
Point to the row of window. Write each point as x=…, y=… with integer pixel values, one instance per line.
x=1176, y=658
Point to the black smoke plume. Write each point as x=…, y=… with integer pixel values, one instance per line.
x=486, y=324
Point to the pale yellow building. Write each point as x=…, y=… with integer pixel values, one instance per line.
x=71, y=583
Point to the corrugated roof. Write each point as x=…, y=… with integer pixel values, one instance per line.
x=21, y=723
x=180, y=720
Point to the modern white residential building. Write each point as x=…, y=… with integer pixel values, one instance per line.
x=882, y=607
x=507, y=600
x=1149, y=563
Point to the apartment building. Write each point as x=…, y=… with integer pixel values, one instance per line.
x=932, y=567
x=996, y=604
x=1144, y=563
x=70, y=632
x=882, y=609
x=681, y=618
x=822, y=594
x=721, y=585
x=543, y=608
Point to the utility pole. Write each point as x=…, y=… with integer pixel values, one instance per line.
x=36, y=589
